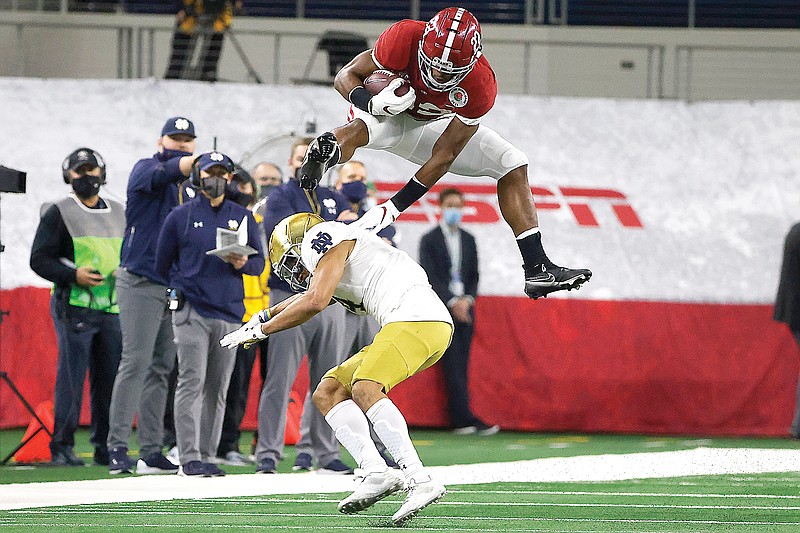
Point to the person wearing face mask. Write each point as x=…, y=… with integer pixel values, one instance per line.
x=450, y=257
x=352, y=182
x=77, y=246
x=322, y=338
x=206, y=302
x=148, y=349
x=256, y=297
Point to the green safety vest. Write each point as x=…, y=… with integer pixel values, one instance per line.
x=97, y=238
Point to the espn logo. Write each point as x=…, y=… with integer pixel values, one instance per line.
x=481, y=203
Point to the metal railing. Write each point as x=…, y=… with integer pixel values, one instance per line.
x=687, y=14
x=136, y=49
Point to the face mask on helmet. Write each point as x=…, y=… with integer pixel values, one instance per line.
x=86, y=185
x=454, y=56
x=284, y=249
x=291, y=270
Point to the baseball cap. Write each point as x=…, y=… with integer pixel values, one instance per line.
x=212, y=159
x=176, y=125
x=83, y=156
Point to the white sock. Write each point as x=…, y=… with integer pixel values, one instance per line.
x=391, y=427
x=352, y=430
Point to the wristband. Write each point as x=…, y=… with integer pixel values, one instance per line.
x=410, y=193
x=360, y=98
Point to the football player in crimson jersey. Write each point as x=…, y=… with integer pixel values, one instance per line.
x=437, y=124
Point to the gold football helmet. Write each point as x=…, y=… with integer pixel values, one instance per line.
x=284, y=249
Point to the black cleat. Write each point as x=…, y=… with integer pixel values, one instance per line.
x=554, y=278
x=322, y=153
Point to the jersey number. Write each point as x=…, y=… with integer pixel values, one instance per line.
x=429, y=110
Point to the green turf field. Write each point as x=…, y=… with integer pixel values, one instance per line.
x=751, y=502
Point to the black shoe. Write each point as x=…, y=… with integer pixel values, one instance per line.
x=200, y=469
x=119, y=462
x=66, y=457
x=544, y=279
x=101, y=457
x=323, y=153
x=335, y=467
x=266, y=466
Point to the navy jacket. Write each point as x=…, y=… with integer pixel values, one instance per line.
x=289, y=199
x=212, y=286
x=435, y=259
x=152, y=193
x=787, y=301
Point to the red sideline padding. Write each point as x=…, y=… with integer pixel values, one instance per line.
x=633, y=367
x=548, y=365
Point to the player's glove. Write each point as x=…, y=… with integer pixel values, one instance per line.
x=378, y=217
x=386, y=103
x=248, y=334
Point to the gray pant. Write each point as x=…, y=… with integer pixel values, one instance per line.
x=794, y=429
x=148, y=356
x=204, y=371
x=322, y=338
x=360, y=330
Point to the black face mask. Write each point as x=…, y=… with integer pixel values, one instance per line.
x=86, y=185
x=355, y=191
x=265, y=190
x=245, y=200
x=169, y=154
x=214, y=186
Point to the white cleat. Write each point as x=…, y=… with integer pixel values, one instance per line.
x=374, y=487
x=420, y=495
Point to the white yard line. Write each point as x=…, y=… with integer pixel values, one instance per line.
x=700, y=461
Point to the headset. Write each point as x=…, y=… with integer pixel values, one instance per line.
x=101, y=164
x=194, y=175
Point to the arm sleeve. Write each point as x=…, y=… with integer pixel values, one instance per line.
x=167, y=247
x=52, y=242
x=150, y=175
x=255, y=263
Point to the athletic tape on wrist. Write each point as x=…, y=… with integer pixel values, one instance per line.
x=360, y=98
x=410, y=193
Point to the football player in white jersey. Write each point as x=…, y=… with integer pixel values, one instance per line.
x=331, y=261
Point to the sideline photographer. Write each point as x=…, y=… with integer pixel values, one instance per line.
x=77, y=247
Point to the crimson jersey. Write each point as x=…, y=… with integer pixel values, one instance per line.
x=396, y=50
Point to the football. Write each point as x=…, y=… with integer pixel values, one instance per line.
x=378, y=80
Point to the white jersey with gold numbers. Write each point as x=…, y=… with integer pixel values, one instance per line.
x=378, y=279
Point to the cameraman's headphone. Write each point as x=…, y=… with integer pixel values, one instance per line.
x=194, y=175
x=101, y=164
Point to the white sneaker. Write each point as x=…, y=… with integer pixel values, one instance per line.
x=420, y=495
x=173, y=456
x=373, y=487
x=234, y=458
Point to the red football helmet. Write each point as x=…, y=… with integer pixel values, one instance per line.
x=451, y=45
